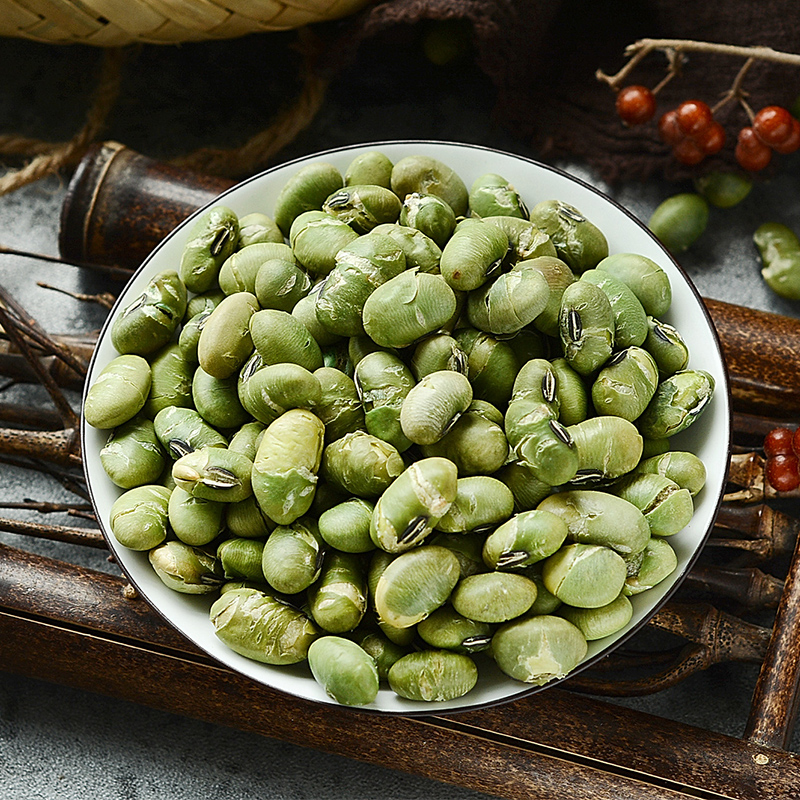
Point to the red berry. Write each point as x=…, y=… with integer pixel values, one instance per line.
x=782, y=472
x=778, y=442
x=688, y=152
x=751, y=153
x=773, y=125
x=694, y=116
x=796, y=443
x=669, y=130
x=636, y=105
x=711, y=139
x=792, y=141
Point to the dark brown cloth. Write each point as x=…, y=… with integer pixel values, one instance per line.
x=541, y=56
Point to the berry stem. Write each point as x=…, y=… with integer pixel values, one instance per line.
x=643, y=47
x=736, y=92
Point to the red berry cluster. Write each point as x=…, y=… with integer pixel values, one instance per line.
x=782, y=447
x=774, y=129
x=693, y=133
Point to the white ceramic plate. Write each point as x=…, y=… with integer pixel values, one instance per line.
x=709, y=437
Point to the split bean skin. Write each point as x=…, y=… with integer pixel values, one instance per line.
x=391, y=423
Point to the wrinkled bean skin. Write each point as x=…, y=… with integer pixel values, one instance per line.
x=666, y=346
x=383, y=381
x=630, y=319
x=476, y=443
x=338, y=600
x=526, y=240
x=316, y=237
x=437, y=352
x=415, y=584
x=432, y=675
x=291, y=559
x=185, y=569
x=259, y=626
x=646, y=279
x=432, y=406
x=139, y=517
x=626, y=384
x=240, y=272
x=677, y=403
x=430, y=215
x=361, y=464
x=579, y=242
x=585, y=575
x=658, y=563
x=666, y=506
x=419, y=249
x=779, y=249
x=363, y=206
x=346, y=671
x=212, y=239
x=493, y=195
x=286, y=465
x=598, y=518
x=412, y=505
x=148, y=323
x=359, y=269
x=258, y=228
x=586, y=326
x=408, y=307
x=538, y=649
x=430, y=176
x=171, y=380
x=132, y=454
x=280, y=284
x=508, y=303
x=119, y=393
x=241, y=559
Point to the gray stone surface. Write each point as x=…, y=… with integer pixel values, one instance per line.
x=59, y=743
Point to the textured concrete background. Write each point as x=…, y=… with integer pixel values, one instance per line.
x=61, y=743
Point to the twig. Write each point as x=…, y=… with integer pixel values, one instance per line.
x=640, y=49
x=104, y=299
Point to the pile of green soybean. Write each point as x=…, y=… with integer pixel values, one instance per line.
x=400, y=423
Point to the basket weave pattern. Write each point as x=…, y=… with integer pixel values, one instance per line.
x=113, y=23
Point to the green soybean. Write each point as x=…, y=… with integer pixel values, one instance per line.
x=680, y=220
x=344, y=669
x=212, y=238
x=118, y=393
x=779, y=249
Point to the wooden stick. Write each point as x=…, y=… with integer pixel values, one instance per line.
x=551, y=744
x=775, y=700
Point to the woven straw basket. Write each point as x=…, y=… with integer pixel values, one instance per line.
x=113, y=23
